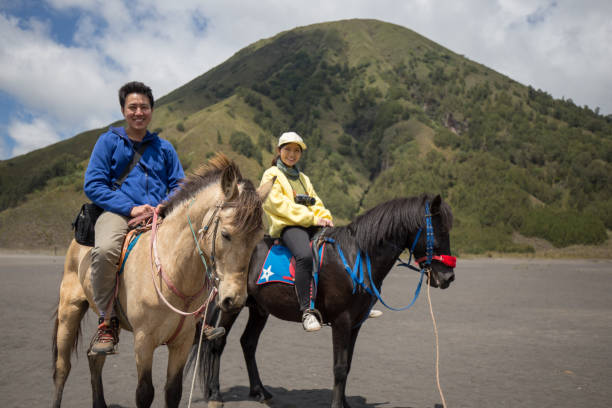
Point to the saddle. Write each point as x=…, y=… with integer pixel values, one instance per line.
x=136, y=226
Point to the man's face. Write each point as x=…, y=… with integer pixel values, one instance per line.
x=137, y=111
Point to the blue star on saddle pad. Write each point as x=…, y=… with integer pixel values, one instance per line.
x=279, y=266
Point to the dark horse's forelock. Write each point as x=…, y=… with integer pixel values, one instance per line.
x=392, y=221
x=248, y=214
x=248, y=217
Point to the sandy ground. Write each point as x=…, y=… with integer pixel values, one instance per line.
x=513, y=333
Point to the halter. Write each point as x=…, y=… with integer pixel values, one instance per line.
x=429, y=248
x=447, y=260
x=212, y=272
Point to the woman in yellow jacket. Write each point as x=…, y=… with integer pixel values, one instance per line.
x=294, y=213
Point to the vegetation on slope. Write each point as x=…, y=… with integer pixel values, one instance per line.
x=385, y=113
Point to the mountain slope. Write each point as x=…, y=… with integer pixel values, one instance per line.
x=385, y=112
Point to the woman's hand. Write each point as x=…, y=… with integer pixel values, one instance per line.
x=323, y=222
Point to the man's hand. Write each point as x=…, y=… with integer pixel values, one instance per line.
x=141, y=210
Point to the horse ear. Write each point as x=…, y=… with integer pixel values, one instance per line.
x=436, y=203
x=265, y=189
x=229, y=183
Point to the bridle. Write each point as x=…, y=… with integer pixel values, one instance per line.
x=447, y=260
x=211, y=273
x=426, y=260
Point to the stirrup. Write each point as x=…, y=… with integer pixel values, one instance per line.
x=316, y=313
x=313, y=314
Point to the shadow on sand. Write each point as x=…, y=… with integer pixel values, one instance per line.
x=284, y=398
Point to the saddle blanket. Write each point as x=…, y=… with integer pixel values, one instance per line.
x=279, y=266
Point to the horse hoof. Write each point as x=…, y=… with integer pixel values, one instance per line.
x=260, y=395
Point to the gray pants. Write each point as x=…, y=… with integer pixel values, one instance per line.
x=110, y=229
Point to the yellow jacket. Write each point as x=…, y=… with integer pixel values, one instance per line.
x=281, y=209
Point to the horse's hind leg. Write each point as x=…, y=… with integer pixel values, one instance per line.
x=178, y=351
x=96, y=363
x=70, y=311
x=250, y=338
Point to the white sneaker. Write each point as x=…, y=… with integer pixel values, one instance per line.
x=310, y=322
x=375, y=313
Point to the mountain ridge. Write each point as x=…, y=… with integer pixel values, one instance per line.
x=385, y=112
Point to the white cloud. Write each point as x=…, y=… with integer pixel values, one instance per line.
x=561, y=46
x=31, y=136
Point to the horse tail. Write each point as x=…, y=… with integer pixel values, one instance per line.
x=54, y=342
x=206, y=366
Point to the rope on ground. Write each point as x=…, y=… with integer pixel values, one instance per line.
x=433, y=320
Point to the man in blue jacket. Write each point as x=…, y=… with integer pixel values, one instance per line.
x=149, y=183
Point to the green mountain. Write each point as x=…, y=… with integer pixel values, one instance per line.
x=385, y=113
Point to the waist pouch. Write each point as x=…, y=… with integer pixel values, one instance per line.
x=84, y=232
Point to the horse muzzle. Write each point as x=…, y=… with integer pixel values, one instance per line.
x=440, y=276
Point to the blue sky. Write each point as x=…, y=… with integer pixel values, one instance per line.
x=62, y=61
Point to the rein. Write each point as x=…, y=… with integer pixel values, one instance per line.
x=429, y=256
x=357, y=273
x=156, y=264
x=212, y=272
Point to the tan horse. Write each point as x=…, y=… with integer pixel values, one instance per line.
x=216, y=195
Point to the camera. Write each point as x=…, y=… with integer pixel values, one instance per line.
x=304, y=199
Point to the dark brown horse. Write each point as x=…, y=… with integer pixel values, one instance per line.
x=382, y=233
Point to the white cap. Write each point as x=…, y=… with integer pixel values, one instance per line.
x=291, y=137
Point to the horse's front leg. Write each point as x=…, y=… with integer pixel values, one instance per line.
x=143, y=350
x=354, y=333
x=211, y=360
x=178, y=351
x=341, y=337
x=248, y=341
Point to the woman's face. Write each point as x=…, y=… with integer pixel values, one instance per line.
x=290, y=154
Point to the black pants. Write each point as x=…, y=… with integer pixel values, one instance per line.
x=297, y=239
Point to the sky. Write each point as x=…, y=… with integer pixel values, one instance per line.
x=62, y=61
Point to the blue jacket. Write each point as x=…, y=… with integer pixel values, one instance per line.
x=157, y=174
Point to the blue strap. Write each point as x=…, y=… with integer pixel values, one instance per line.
x=430, y=233
x=379, y=297
x=407, y=264
x=127, y=252
x=356, y=274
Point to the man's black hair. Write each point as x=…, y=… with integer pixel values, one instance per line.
x=135, y=87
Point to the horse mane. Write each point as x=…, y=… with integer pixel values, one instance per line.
x=391, y=221
x=249, y=213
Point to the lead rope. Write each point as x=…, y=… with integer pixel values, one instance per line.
x=195, y=369
x=433, y=320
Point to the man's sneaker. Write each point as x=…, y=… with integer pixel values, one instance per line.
x=375, y=313
x=106, y=338
x=310, y=322
x=212, y=333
